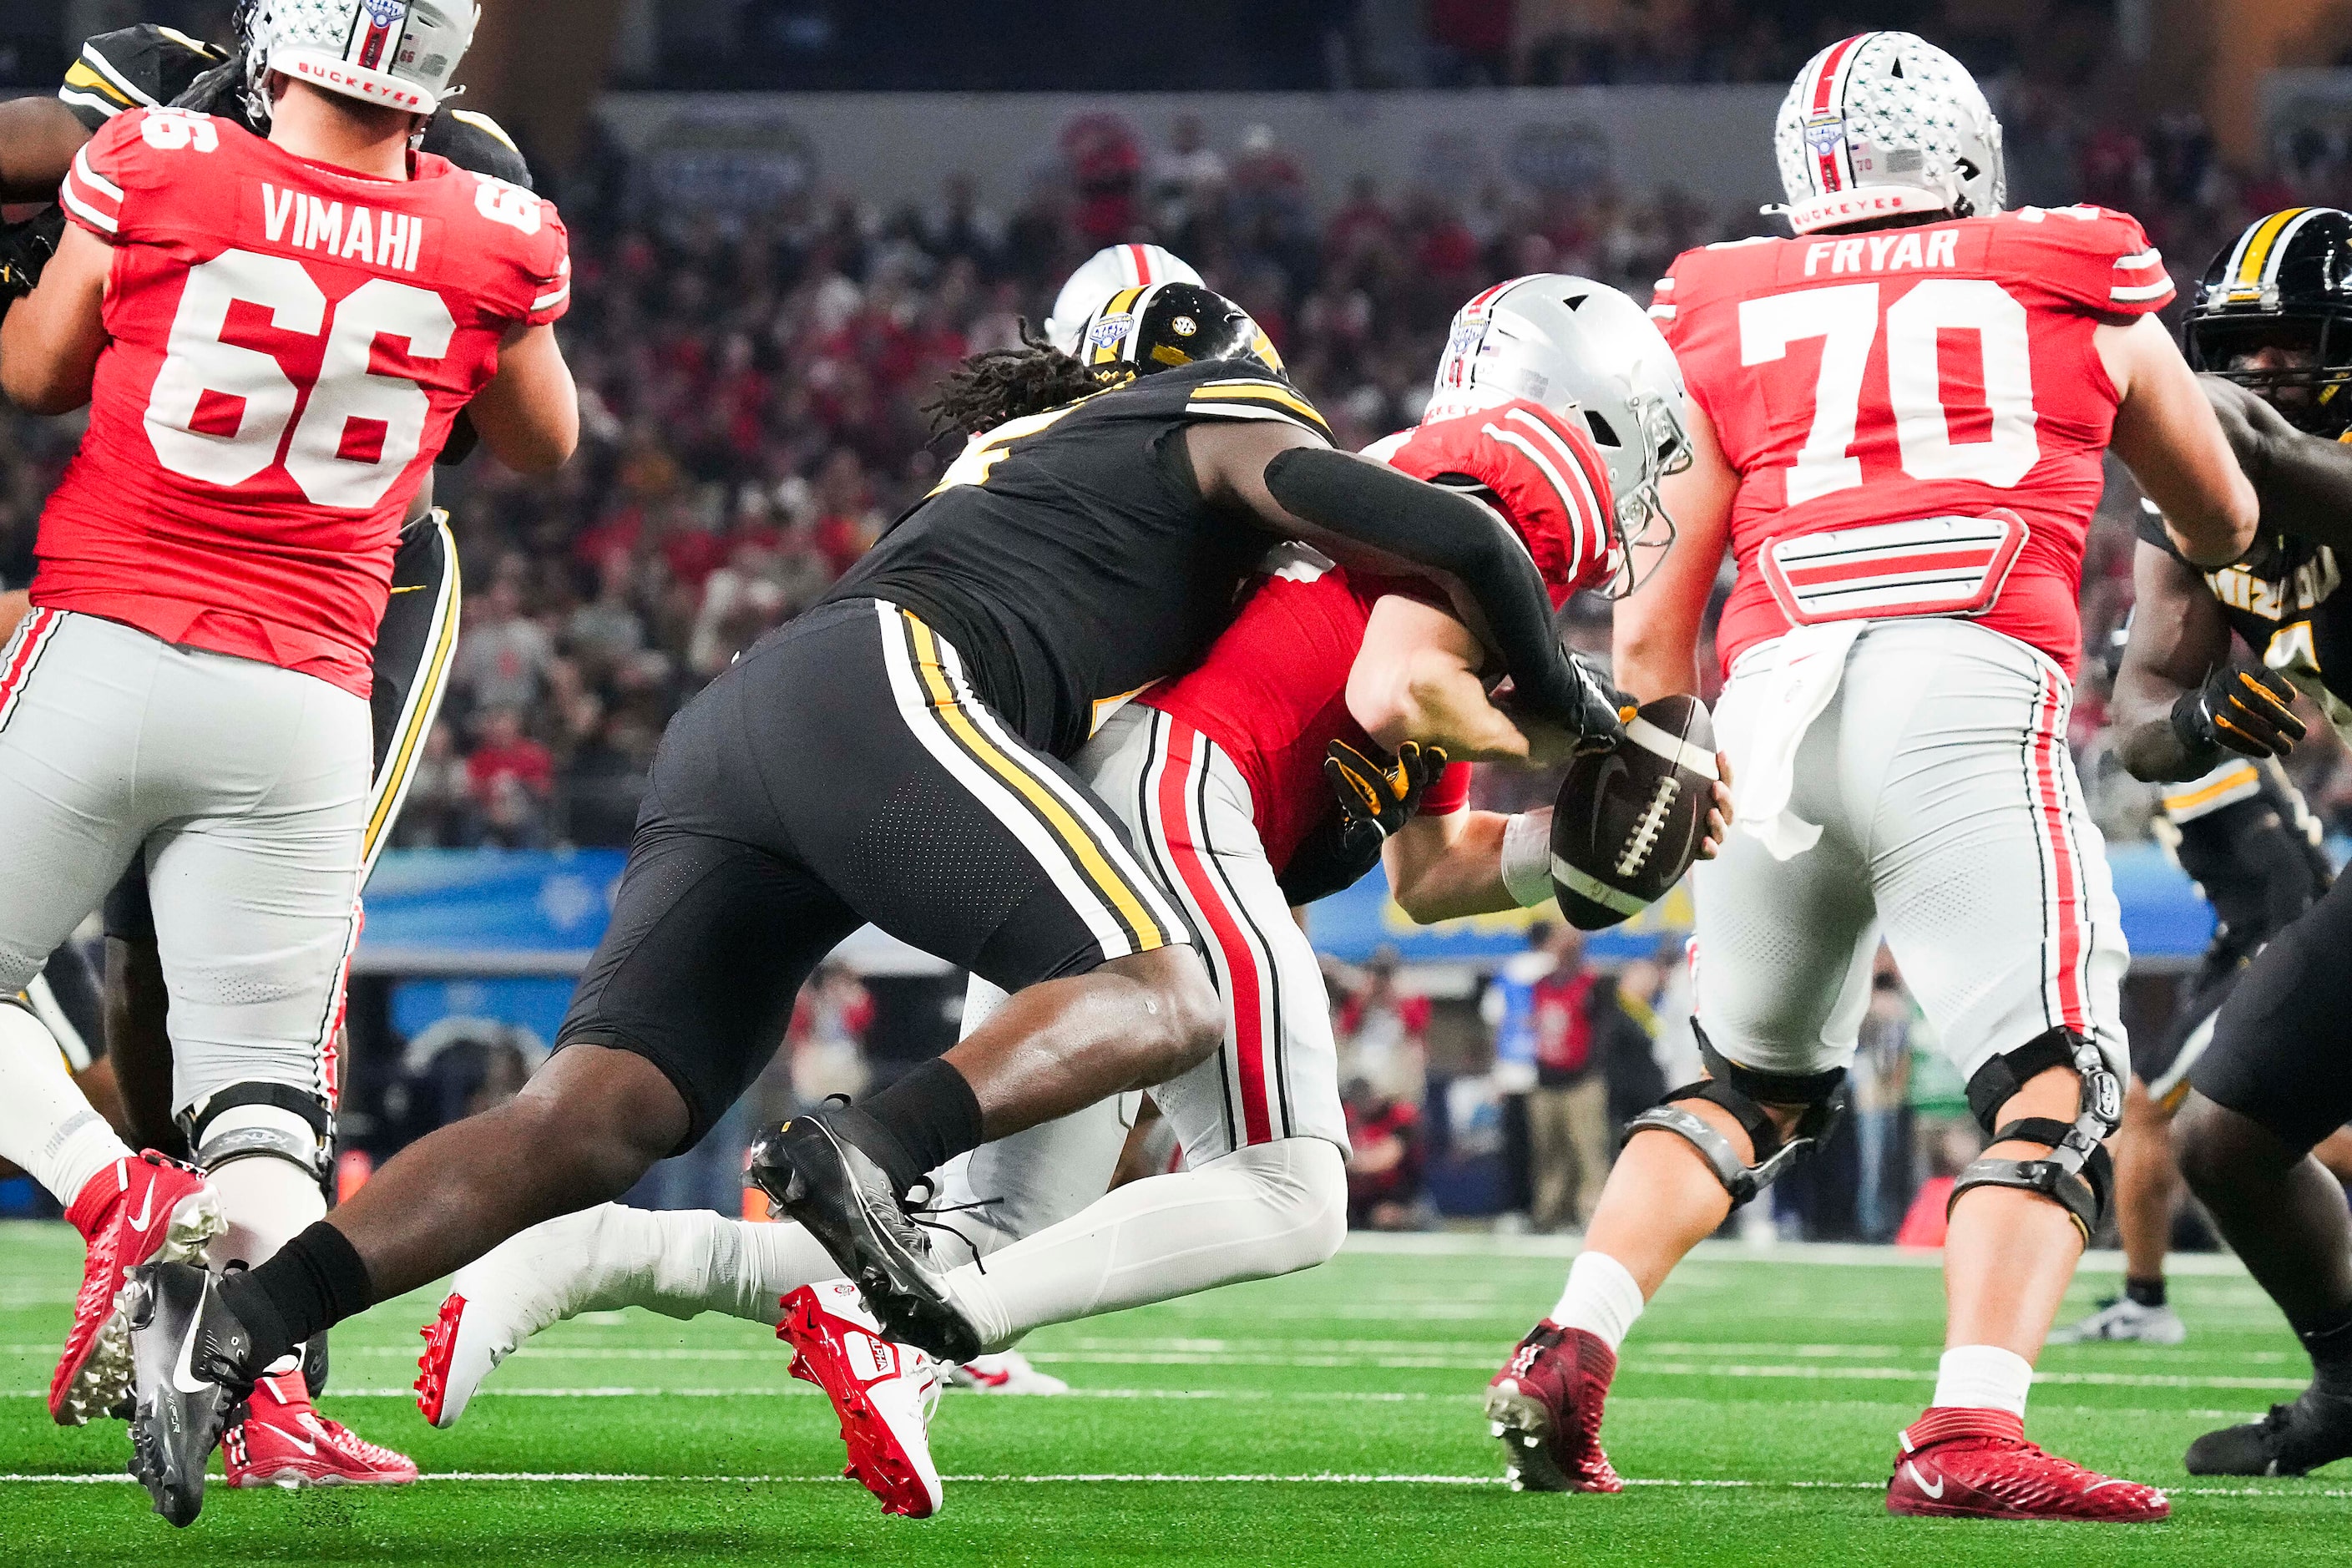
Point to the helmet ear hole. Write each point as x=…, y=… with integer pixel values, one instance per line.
x=1577, y=302
x=1602, y=431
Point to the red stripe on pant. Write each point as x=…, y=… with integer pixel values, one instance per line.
x=1243, y=991
x=31, y=633
x=2050, y=802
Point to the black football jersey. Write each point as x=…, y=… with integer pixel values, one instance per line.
x=151, y=64
x=1068, y=556
x=2286, y=599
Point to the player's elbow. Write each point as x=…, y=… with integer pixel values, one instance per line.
x=1388, y=693
x=537, y=444
x=2222, y=529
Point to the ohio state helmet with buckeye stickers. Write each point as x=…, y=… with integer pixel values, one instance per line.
x=1884, y=124
x=397, y=53
x=1588, y=353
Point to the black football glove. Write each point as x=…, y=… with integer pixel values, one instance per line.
x=24, y=249
x=1374, y=802
x=2249, y=711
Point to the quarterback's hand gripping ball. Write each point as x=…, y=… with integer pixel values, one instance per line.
x=1629, y=822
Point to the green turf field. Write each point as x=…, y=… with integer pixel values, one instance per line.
x=1326, y=1418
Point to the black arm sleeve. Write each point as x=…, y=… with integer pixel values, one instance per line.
x=1449, y=536
x=1329, y=860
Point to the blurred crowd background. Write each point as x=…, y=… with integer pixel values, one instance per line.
x=754, y=419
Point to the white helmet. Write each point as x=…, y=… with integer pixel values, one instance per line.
x=1103, y=274
x=1885, y=123
x=1590, y=353
x=397, y=53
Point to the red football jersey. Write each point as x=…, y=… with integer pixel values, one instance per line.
x=1918, y=415
x=1273, y=691
x=288, y=343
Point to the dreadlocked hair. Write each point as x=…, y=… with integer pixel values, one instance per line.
x=990, y=388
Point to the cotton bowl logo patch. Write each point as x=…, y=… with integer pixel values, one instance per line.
x=384, y=13
x=1823, y=135
x=1108, y=330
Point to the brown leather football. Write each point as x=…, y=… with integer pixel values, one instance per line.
x=1629, y=823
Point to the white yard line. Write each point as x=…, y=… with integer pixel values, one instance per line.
x=1157, y=1478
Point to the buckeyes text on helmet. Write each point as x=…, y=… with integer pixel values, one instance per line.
x=397, y=53
x=1590, y=355
x=1886, y=125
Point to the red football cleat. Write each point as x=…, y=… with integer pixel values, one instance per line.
x=283, y=1441
x=883, y=1393
x=143, y=1210
x=1545, y=1405
x=1960, y=1462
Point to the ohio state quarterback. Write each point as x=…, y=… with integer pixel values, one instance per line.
x=274, y=337
x=1898, y=417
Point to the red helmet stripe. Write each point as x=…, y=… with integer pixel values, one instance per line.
x=1140, y=258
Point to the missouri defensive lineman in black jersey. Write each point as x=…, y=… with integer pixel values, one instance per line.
x=2272, y=322
x=894, y=755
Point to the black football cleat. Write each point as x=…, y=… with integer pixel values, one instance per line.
x=185, y=1342
x=833, y=1187
x=2292, y=1440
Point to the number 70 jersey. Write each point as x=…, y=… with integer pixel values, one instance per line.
x=1918, y=415
x=287, y=344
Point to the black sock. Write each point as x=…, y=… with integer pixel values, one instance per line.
x=2146, y=1293
x=2328, y=1339
x=914, y=1126
x=314, y=1282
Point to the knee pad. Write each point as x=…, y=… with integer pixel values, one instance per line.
x=248, y=1121
x=2079, y=1175
x=1744, y=1092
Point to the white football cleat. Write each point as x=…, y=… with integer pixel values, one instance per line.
x=1006, y=1372
x=595, y=1261
x=883, y=1393
x=2125, y=1318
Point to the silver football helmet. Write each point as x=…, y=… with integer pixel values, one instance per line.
x=1590, y=353
x=1882, y=124
x=397, y=53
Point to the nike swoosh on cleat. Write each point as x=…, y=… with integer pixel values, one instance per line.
x=184, y=1375
x=1921, y=1482
x=309, y=1448
x=146, y=1209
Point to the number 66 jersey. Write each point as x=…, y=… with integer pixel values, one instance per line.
x=1917, y=415
x=288, y=344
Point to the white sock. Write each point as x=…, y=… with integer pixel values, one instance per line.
x=1983, y=1377
x=708, y=1263
x=1602, y=1299
x=45, y=1125
x=267, y=1201
x=1257, y=1213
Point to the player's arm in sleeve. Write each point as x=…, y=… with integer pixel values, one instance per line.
x=1289, y=480
x=2178, y=703
x=2303, y=482
x=528, y=413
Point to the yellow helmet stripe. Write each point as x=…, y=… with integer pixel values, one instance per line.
x=2255, y=261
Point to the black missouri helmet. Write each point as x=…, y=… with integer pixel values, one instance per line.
x=1163, y=325
x=2285, y=283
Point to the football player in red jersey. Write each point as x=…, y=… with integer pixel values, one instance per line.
x=114, y=73
x=1220, y=776
x=1899, y=418
x=274, y=337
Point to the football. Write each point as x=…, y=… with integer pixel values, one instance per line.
x=1629, y=823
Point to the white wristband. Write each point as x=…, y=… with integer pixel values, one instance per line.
x=1526, y=857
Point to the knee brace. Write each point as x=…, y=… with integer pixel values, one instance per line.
x=219, y=1141
x=1744, y=1092
x=2078, y=1176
